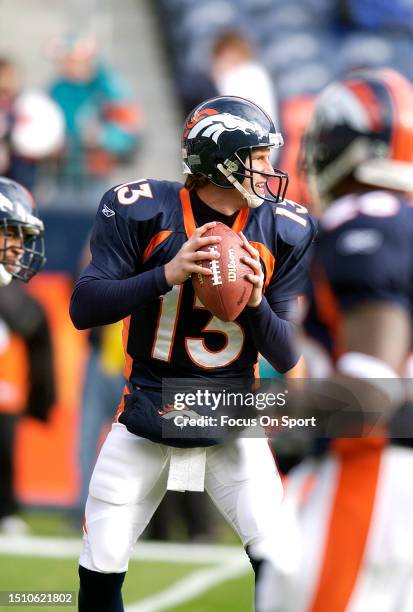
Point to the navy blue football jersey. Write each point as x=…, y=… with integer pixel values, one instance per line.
x=142, y=225
x=363, y=252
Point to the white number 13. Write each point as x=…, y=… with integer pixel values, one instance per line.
x=195, y=347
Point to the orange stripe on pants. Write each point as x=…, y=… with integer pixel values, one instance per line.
x=349, y=522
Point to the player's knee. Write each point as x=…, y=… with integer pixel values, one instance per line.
x=110, y=559
x=256, y=562
x=109, y=563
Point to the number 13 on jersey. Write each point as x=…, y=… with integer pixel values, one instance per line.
x=196, y=348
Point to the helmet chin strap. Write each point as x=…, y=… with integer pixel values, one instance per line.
x=253, y=201
x=5, y=277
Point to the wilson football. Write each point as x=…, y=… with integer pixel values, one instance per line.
x=226, y=292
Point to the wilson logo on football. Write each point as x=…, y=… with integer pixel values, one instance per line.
x=213, y=126
x=232, y=266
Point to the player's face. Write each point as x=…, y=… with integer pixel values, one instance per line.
x=260, y=162
x=11, y=249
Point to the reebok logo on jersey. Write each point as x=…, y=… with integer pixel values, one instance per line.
x=108, y=212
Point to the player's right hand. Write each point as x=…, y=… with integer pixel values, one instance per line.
x=186, y=260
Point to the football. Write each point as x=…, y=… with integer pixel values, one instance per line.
x=226, y=291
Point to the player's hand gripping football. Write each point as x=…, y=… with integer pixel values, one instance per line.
x=186, y=260
x=257, y=278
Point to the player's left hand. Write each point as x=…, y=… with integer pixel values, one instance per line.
x=257, y=277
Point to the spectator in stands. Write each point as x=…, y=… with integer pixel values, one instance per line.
x=103, y=123
x=31, y=127
x=397, y=15
x=237, y=71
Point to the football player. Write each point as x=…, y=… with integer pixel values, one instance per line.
x=353, y=499
x=147, y=240
x=21, y=318
x=21, y=234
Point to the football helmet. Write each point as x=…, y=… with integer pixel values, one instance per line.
x=21, y=234
x=218, y=139
x=362, y=128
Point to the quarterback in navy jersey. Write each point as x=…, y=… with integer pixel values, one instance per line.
x=146, y=243
x=352, y=503
x=169, y=332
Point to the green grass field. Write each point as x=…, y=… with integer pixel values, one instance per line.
x=199, y=586
x=143, y=580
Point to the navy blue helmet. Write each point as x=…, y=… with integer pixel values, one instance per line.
x=21, y=234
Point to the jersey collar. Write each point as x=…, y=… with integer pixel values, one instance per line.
x=189, y=221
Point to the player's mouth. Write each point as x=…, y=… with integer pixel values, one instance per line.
x=13, y=265
x=260, y=186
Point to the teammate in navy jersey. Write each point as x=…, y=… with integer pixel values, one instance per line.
x=363, y=260
x=21, y=234
x=21, y=257
x=145, y=245
x=352, y=504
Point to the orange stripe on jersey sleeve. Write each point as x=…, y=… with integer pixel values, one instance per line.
x=155, y=241
x=349, y=522
x=189, y=221
x=128, y=365
x=268, y=259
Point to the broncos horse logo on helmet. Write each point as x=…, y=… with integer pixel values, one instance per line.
x=215, y=125
x=220, y=135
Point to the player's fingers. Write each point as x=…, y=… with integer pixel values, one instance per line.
x=202, y=255
x=253, y=251
x=254, y=279
x=201, y=230
x=205, y=241
x=195, y=269
x=255, y=265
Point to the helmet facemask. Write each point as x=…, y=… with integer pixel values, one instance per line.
x=236, y=170
x=21, y=255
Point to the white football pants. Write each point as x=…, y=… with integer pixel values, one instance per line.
x=129, y=482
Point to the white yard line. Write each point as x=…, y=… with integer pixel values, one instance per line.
x=191, y=586
x=232, y=562
x=37, y=546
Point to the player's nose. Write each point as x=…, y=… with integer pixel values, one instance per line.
x=268, y=167
x=16, y=247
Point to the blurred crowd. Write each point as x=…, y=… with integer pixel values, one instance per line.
x=64, y=141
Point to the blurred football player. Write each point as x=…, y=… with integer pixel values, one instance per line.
x=149, y=237
x=26, y=371
x=353, y=498
x=21, y=234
